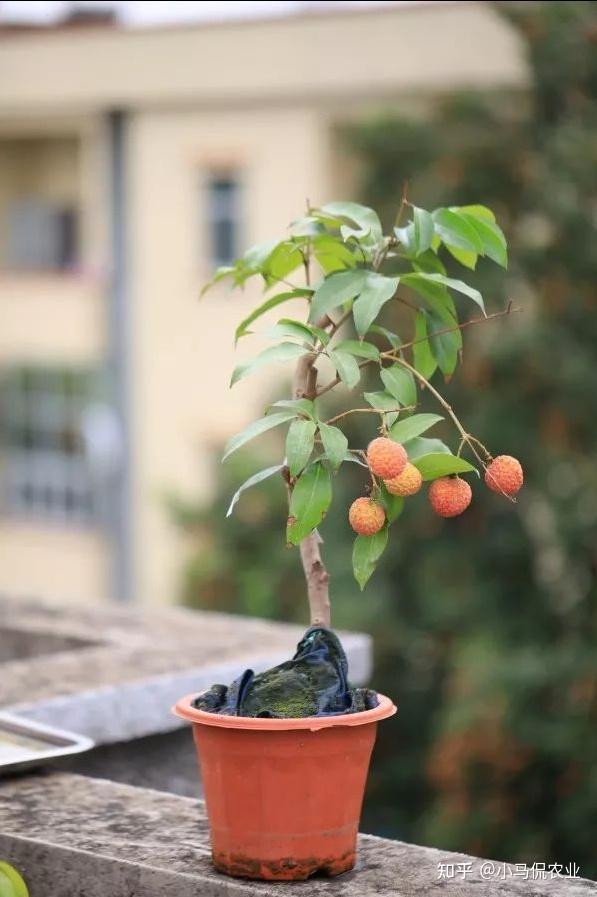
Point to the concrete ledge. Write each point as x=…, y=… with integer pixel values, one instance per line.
x=77, y=837
x=113, y=674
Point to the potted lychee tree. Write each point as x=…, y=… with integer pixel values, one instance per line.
x=285, y=754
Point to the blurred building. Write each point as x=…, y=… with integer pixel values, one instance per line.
x=131, y=163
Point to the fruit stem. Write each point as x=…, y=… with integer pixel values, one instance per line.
x=466, y=437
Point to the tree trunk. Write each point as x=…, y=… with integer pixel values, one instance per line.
x=304, y=385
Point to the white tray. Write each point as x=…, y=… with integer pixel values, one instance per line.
x=25, y=743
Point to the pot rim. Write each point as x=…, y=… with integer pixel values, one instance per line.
x=184, y=709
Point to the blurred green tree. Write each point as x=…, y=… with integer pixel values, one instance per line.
x=487, y=624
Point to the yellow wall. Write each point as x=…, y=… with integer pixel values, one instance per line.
x=60, y=317
x=183, y=350
x=47, y=319
x=65, y=564
x=56, y=319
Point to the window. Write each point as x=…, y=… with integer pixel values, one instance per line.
x=44, y=473
x=224, y=218
x=41, y=236
x=41, y=204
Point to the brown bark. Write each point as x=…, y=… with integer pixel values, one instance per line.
x=317, y=580
x=316, y=576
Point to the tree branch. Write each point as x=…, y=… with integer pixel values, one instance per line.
x=317, y=580
x=391, y=354
x=380, y=411
x=336, y=380
x=480, y=320
x=316, y=575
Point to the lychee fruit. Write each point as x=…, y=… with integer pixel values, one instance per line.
x=386, y=458
x=450, y=496
x=366, y=516
x=407, y=483
x=504, y=475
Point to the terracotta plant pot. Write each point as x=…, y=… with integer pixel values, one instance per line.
x=284, y=796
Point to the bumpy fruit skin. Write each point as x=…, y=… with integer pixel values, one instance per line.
x=450, y=496
x=366, y=516
x=407, y=483
x=504, y=475
x=386, y=458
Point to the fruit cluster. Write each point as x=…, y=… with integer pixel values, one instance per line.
x=449, y=496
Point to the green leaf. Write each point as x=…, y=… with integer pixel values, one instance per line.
x=383, y=401
x=332, y=254
x=393, y=504
x=464, y=256
x=368, y=227
x=336, y=289
x=423, y=229
x=335, y=444
x=256, y=256
x=252, y=481
x=299, y=444
x=307, y=226
x=456, y=231
x=254, y=261
x=435, y=294
x=281, y=352
x=256, y=428
x=457, y=285
x=282, y=261
x=239, y=272
x=478, y=212
x=346, y=368
x=12, y=883
x=322, y=334
x=359, y=348
x=392, y=338
x=366, y=552
x=244, y=325
x=220, y=274
x=419, y=446
x=440, y=465
x=309, y=502
x=349, y=456
x=287, y=328
x=417, y=236
x=441, y=317
x=404, y=430
x=400, y=383
x=491, y=236
x=374, y=294
x=444, y=345
x=429, y=262
x=423, y=358
x=299, y=406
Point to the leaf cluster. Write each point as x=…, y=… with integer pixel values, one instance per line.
x=361, y=270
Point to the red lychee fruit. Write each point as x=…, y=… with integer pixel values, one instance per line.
x=407, y=483
x=366, y=516
x=386, y=458
x=504, y=475
x=450, y=496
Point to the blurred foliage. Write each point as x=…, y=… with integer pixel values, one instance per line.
x=484, y=626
